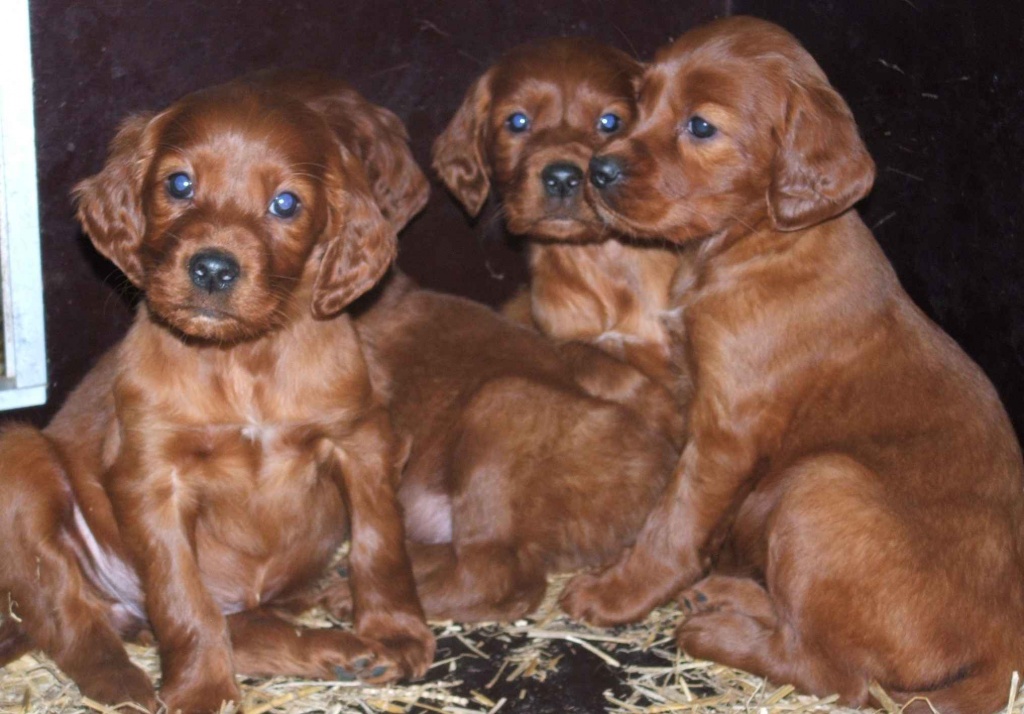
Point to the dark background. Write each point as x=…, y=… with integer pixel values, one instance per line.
x=936, y=86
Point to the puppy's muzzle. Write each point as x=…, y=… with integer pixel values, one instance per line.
x=561, y=179
x=214, y=271
x=605, y=171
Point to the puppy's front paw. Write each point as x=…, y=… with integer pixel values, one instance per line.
x=406, y=649
x=119, y=685
x=724, y=593
x=204, y=698
x=600, y=600
x=413, y=653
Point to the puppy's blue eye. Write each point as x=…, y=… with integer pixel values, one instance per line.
x=179, y=185
x=609, y=123
x=700, y=128
x=284, y=205
x=518, y=123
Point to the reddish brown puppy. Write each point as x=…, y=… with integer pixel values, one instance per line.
x=515, y=469
x=529, y=126
x=846, y=448
x=197, y=482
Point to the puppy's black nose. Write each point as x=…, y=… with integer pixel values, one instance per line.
x=213, y=271
x=604, y=171
x=561, y=179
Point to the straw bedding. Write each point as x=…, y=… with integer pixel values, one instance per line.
x=545, y=664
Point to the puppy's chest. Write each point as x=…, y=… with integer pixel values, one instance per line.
x=250, y=455
x=242, y=427
x=247, y=436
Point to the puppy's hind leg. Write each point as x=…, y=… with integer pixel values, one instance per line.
x=733, y=621
x=480, y=584
x=502, y=468
x=804, y=628
x=861, y=588
x=476, y=582
x=267, y=644
x=60, y=611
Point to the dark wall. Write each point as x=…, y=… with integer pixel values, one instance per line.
x=97, y=60
x=938, y=90
x=937, y=86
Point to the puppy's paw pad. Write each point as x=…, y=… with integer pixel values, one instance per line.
x=368, y=668
x=695, y=601
x=380, y=671
x=341, y=674
x=720, y=593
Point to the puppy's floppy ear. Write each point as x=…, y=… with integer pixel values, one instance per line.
x=110, y=203
x=459, y=150
x=379, y=138
x=360, y=242
x=821, y=167
x=396, y=180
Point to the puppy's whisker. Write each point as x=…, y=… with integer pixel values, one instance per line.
x=494, y=226
x=632, y=47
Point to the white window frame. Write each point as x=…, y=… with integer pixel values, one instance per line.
x=23, y=382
